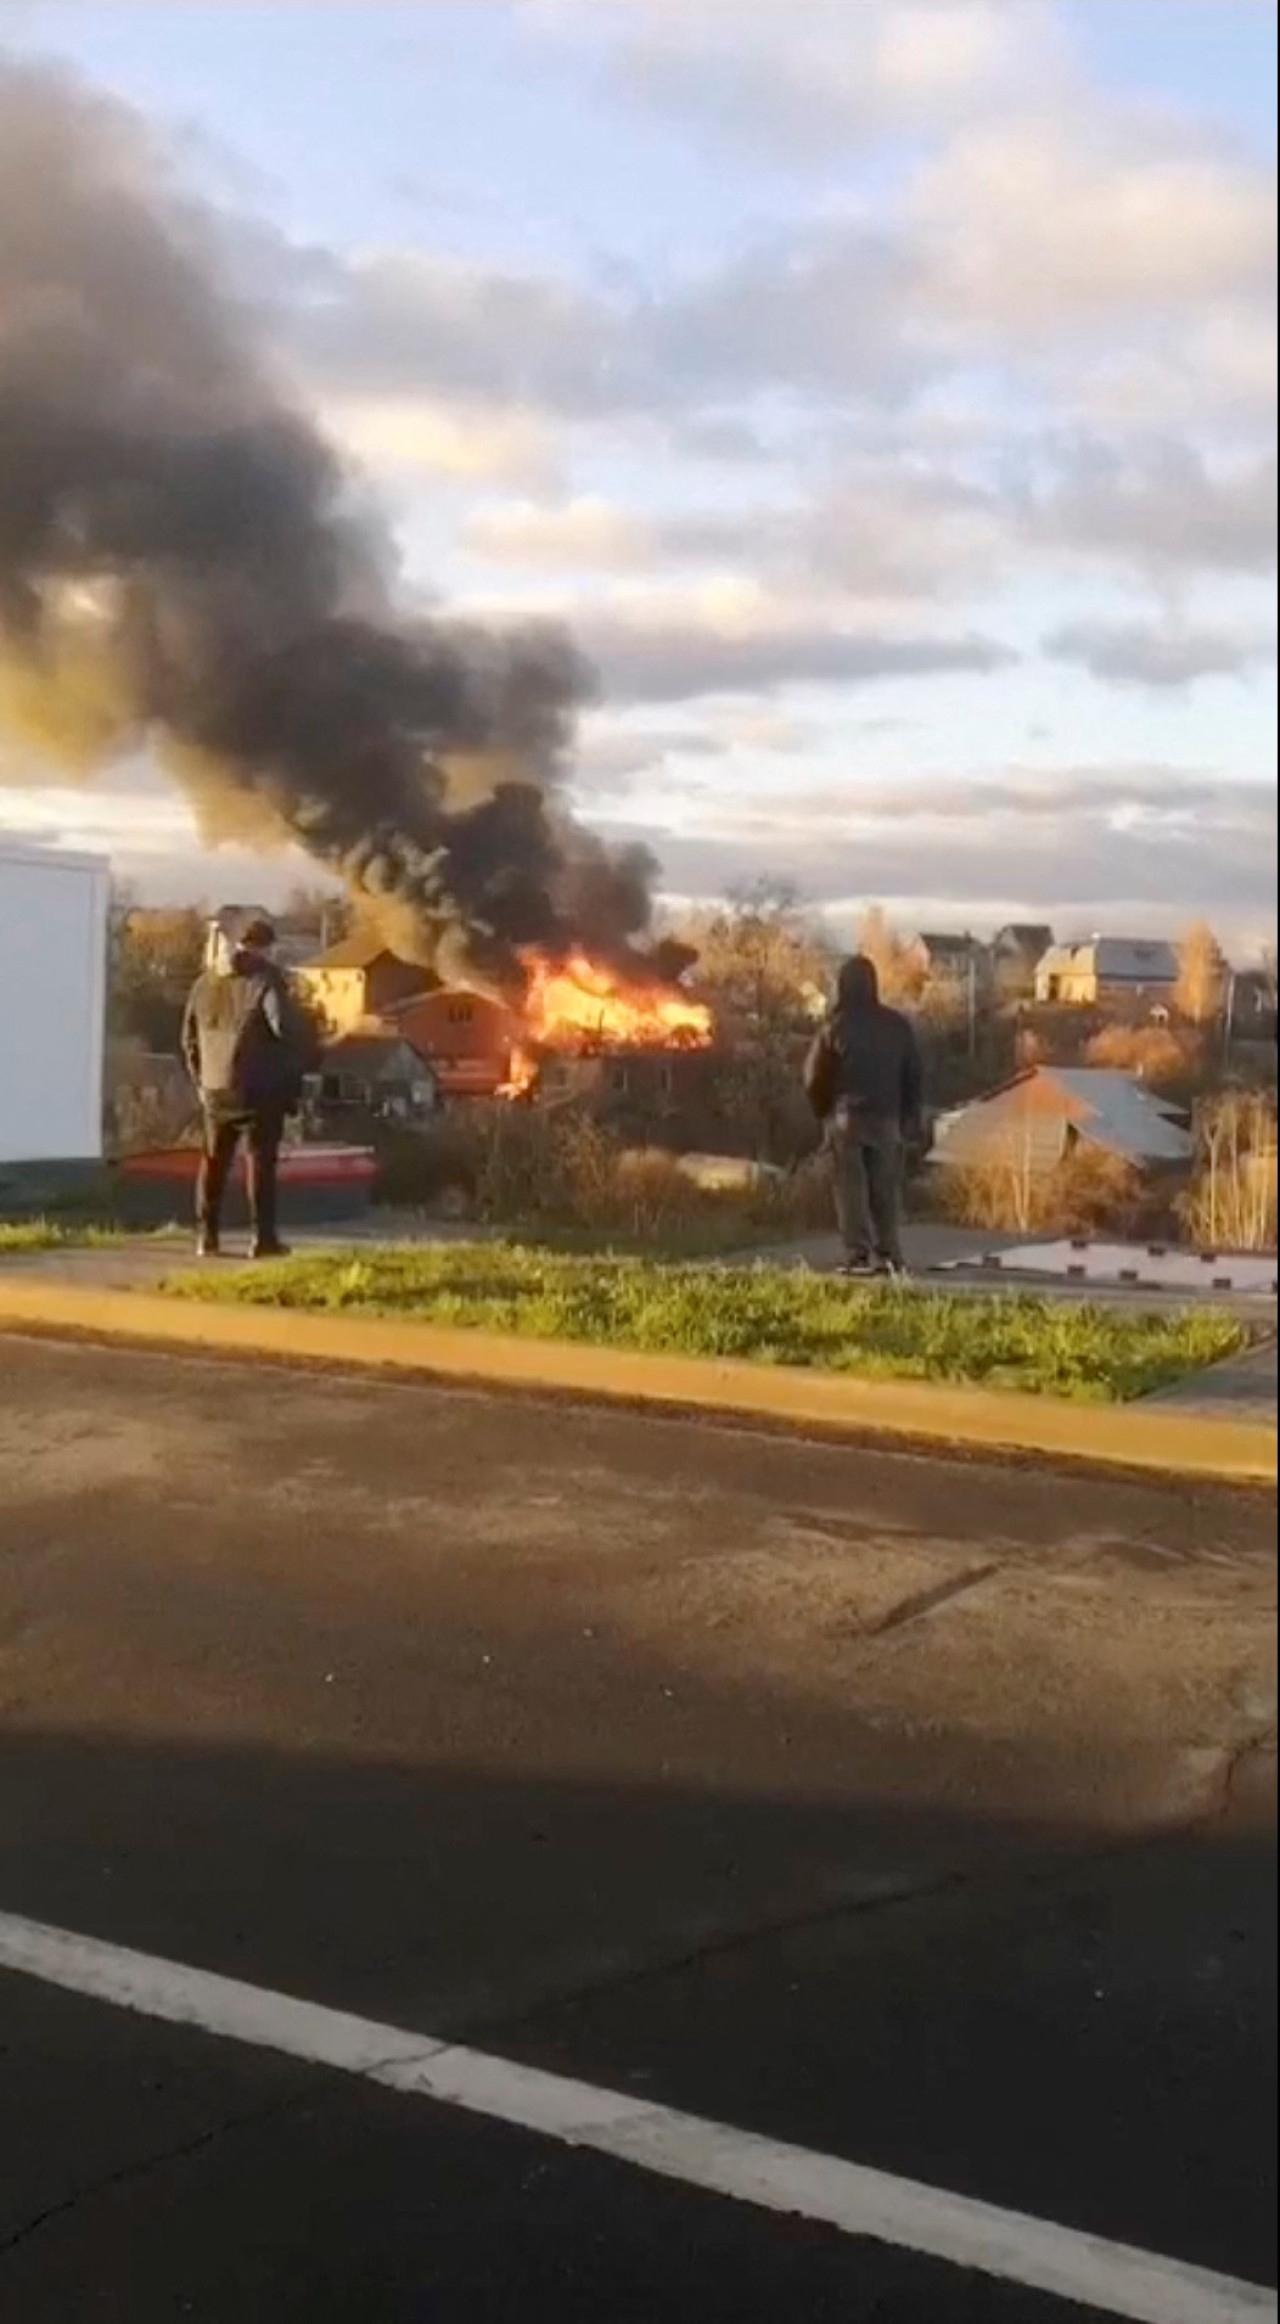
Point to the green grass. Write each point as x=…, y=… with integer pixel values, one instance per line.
x=42, y=1234
x=767, y=1316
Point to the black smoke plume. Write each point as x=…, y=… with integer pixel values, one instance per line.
x=184, y=568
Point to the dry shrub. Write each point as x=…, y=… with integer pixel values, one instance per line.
x=150, y=1101
x=521, y=1167
x=1157, y=1054
x=1088, y=1193
x=1231, y=1204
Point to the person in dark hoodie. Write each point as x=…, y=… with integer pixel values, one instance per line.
x=241, y=1041
x=866, y=1085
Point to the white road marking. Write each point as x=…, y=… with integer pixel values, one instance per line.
x=735, y=2163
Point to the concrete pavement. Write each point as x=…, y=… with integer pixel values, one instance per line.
x=916, y=1814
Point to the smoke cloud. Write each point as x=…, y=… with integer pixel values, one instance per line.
x=185, y=567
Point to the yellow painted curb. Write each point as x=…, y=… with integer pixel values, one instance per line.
x=1147, y=1437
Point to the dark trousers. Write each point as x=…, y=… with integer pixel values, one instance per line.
x=261, y=1132
x=867, y=1157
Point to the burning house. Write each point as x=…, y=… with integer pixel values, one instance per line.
x=577, y=1029
x=467, y=1038
x=578, y=1011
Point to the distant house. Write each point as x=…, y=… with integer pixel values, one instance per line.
x=951, y=959
x=377, y=1074
x=1108, y=968
x=1048, y=1113
x=1016, y=954
x=358, y=979
x=1252, y=994
x=467, y=1038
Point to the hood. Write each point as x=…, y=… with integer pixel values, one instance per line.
x=246, y=960
x=859, y=987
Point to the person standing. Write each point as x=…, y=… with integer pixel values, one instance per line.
x=244, y=1053
x=865, y=1081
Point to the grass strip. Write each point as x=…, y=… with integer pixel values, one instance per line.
x=1062, y=1348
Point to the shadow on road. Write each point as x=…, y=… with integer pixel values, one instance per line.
x=1055, y=2017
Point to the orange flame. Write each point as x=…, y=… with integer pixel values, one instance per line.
x=578, y=1005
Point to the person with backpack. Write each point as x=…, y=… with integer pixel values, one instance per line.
x=865, y=1082
x=244, y=1046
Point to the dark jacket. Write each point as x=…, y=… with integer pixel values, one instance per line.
x=864, y=1068
x=242, y=1038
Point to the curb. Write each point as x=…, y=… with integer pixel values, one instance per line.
x=1145, y=1438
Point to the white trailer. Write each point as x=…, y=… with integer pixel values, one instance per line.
x=54, y=921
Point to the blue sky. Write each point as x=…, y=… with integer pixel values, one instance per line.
x=886, y=395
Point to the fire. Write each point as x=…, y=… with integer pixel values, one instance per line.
x=578, y=1005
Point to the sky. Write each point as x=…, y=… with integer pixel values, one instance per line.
x=884, y=390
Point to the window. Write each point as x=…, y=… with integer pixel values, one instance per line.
x=621, y=1080
x=462, y=1013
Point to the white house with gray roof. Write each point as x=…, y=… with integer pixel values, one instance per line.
x=1084, y=976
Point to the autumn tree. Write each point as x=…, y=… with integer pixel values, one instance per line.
x=156, y=956
x=768, y=975
x=897, y=963
x=1202, y=976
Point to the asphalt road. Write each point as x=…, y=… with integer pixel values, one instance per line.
x=915, y=1813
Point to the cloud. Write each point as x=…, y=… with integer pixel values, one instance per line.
x=408, y=435
x=1161, y=506
x=1086, y=217
x=578, y=536
x=1103, y=797
x=1130, y=847
x=612, y=760
x=1145, y=654
x=798, y=81
x=652, y=655
x=391, y=324
x=824, y=309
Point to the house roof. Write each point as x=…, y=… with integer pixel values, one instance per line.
x=1028, y=939
x=1135, y=960
x=1125, y=1116
x=949, y=942
x=1107, y=1108
x=358, y=950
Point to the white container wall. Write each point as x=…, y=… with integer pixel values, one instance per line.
x=54, y=916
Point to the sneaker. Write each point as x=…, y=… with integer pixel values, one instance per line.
x=268, y=1247
x=861, y=1269
x=208, y=1247
x=894, y=1271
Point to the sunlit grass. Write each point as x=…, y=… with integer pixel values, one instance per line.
x=34, y=1235
x=758, y=1314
